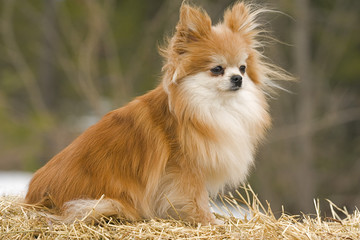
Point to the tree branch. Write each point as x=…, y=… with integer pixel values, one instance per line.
x=328, y=121
x=17, y=59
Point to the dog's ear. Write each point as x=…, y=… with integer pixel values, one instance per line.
x=194, y=25
x=239, y=18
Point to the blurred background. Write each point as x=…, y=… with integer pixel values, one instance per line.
x=65, y=63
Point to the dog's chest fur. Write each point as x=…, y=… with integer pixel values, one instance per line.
x=237, y=122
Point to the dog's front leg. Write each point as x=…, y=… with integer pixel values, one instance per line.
x=184, y=196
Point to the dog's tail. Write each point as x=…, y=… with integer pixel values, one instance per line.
x=89, y=210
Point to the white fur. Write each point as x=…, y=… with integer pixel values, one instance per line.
x=88, y=210
x=234, y=115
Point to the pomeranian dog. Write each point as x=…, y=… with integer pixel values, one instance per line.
x=165, y=152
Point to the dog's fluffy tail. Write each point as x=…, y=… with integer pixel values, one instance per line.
x=88, y=210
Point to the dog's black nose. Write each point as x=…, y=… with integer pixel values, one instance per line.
x=236, y=80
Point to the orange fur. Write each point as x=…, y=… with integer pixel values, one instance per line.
x=171, y=147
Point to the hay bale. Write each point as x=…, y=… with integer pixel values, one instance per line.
x=19, y=221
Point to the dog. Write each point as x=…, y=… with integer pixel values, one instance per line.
x=163, y=154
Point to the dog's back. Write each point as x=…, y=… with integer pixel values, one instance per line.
x=122, y=157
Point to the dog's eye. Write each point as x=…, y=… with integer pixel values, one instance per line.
x=217, y=70
x=242, y=69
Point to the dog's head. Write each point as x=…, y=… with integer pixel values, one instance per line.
x=220, y=59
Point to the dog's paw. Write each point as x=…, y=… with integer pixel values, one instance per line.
x=217, y=222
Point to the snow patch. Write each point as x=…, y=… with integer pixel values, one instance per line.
x=14, y=183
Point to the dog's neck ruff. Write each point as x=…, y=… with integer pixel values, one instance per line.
x=221, y=130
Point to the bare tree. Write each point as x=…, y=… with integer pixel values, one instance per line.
x=305, y=181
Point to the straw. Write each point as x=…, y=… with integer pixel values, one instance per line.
x=21, y=221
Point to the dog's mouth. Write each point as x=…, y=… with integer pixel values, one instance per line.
x=234, y=88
